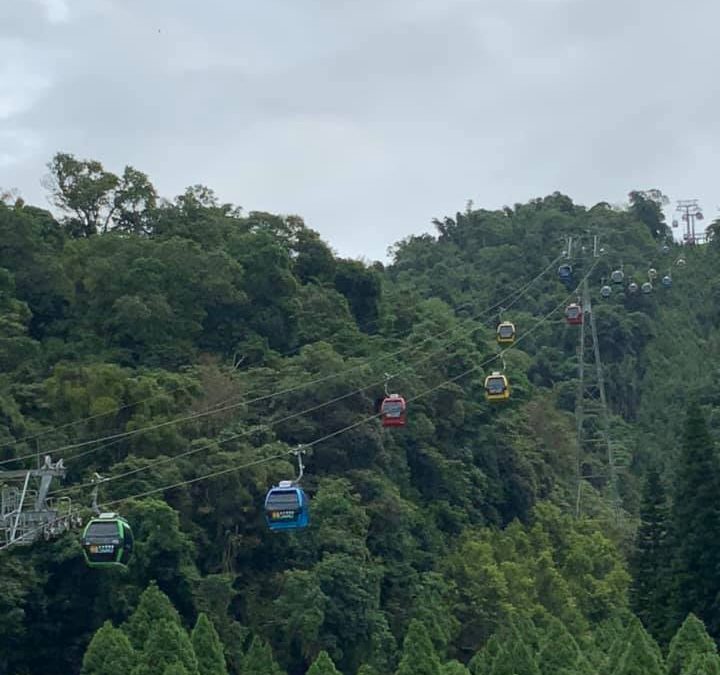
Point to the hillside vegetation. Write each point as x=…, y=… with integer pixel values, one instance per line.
x=157, y=342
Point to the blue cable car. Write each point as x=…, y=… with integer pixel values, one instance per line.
x=565, y=273
x=287, y=507
x=666, y=281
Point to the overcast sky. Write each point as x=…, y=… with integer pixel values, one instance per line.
x=368, y=117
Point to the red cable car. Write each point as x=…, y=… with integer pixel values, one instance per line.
x=393, y=411
x=574, y=314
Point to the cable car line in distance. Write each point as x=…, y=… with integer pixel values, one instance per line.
x=213, y=445
x=328, y=436
x=126, y=434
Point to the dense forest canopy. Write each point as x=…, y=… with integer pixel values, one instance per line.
x=184, y=349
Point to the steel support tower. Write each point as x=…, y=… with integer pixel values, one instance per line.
x=597, y=456
x=26, y=513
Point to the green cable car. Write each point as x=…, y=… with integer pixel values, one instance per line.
x=107, y=541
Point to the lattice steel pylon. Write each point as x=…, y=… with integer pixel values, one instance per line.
x=26, y=513
x=596, y=453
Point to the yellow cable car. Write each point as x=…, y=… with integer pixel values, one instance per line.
x=506, y=333
x=497, y=387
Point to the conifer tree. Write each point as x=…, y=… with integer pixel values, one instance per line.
x=515, y=659
x=558, y=650
x=703, y=664
x=154, y=606
x=650, y=564
x=418, y=656
x=641, y=655
x=167, y=644
x=367, y=669
x=323, y=665
x=696, y=523
x=208, y=648
x=176, y=669
x=259, y=659
x=454, y=668
x=614, y=633
x=482, y=662
x=109, y=653
x=691, y=640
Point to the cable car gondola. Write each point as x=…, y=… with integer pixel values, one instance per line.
x=574, y=314
x=107, y=541
x=565, y=273
x=633, y=287
x=652, y=273
x=666, y=281
x=393, y=411
x=287, y=507
x=680, y=262
x=617, y=276
x=647, y=288
x=606, y=291
x=497, y=387
x=506, y=333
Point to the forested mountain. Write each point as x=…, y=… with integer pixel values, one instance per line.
x=183, y=350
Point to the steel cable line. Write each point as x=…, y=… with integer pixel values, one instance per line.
x=89, y=418
x=213, y=445
x=326, y=437
x=346, y=428
x=515, y=295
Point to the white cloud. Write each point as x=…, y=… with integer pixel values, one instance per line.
x=17, y=146
x=369, y=117
x=56, y=11
x=22, y=80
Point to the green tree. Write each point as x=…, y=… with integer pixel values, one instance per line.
x=96, y=198
x=109, y=653
x=362, y=287
x=208, y=648
x=641, y=655
x=323, y=665
x=515, y=658
x=166, y=645
x=691, y=640
x=703, y=664
x=418, y=655
x=15, y=344
x=647, y=207
x=454, y=668
x=154, y=606
x=301, y=608
x=175, y=669
x=259, y=659
x=650, y=563
x=695, y=522
x=482, y=662
x=559, y=653
x=213, y=596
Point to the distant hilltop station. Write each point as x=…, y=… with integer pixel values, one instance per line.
x=689, y=213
